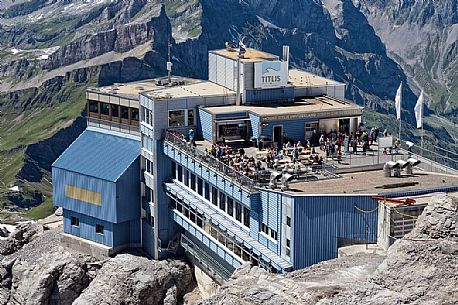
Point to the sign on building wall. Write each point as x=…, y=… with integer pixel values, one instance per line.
x=270, y=74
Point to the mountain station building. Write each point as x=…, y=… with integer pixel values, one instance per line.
x=144, y=173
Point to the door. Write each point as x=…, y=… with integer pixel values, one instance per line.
x=278, y=135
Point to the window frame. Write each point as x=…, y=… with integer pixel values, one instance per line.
x=97, y=229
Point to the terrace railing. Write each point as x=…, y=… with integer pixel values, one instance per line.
x=448, y=159
x=233, y=175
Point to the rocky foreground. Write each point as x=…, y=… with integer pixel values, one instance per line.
x=419, y=269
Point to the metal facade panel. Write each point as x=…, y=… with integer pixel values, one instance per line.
x=135, y=231
x=106, y=211
x=99, y=154
x=212, y=67
x=248, y=75
x=255, y=125
x=86, y=228
x=231, y=74
x=206, y=123
x=253, y=96
x=221, y=70
x=291, y=129
x=147, y=237
x=128, y=193
x=319, y=220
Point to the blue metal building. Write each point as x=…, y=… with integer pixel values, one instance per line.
x=96, y=182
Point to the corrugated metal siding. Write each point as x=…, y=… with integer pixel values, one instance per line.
x=231, y=73
x=107, y=211
x=220, y=70
x=264, y=95
x=291, y=129
x=100, y=155
x=135, y=232
x=86, y=228
x=255, y=125
x=271, y=215
x=212, y=67
x=128, y=193
x=206, y=124
x=147, y=238
x=319, y=220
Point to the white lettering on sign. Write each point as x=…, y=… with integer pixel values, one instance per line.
x=270, y=74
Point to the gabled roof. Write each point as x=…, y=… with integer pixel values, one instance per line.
x=100, y=154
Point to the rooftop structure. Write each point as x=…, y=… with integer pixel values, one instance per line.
x=258, y=164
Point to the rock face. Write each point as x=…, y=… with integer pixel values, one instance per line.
x=125, y=280
x=37, y=270
x=419, y=269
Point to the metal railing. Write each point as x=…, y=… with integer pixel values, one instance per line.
x=204, y=258
x=233, y=175
x=447, y=159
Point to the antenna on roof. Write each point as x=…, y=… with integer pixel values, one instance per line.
x=169, y=63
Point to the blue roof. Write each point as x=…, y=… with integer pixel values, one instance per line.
x=100, y=154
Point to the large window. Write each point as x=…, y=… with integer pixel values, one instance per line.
x=238, y=211
x=114, y=111
x=214, y=195
x=230, y=206
x=176, y=118
x=246, y=217
x=94, y=107
x=222, y=201
x=105, y=108
x=124, y=113
x=134, y=114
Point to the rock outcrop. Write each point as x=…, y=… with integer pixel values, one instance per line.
x=36, y=270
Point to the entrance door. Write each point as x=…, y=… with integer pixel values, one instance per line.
x=344, y=126
x=278, y=135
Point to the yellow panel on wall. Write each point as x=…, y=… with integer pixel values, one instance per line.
x=83, y=195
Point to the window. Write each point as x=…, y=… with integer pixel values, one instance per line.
x=114, y=111
x=186, y=178
x=288, y=243
x=124, y=113
x=134, y=113
x=193, y=182
x=207, y=191
x=264, y=229
x=105, y=108
x=93, y=106
x=191, y=119
x=273, y=234
x=75, y=221
x=288, y=221
x=174, y=170
x=199, y=186
x=230, y=206
x=215, y=196
x=99, y=229
x=246, y=217
x=222, y=201
x=180, y=173
x=176, y=118
x=238, y=211
x=151, y=220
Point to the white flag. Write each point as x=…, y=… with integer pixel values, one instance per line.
x=398, y=102
x=419, y=110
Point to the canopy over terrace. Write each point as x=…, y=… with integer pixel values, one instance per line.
x=296, y=121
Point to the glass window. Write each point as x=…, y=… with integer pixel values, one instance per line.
x=288, y=221
x=105, y=108
x=173, y=203
x=246, y=217
x=114, y=111
x=99, y=229
x=222, y=201
x=207, y=191
x=75, y=221
x=191, y=119
x=199, y=186
x=124, y=113
x=174, y=170
x=199, y=221
x=179, y=207
x=192, y=217
x=288, y=243
x=193, y=182
x=93, y=106
x=273, y=234
x=186, y=178
x=176, y=118
x=238, y=211
x=134, y=113
x=230, y=206
x=214, y=195
x=180, y=173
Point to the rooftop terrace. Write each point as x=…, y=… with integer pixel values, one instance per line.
x=300, y=78
x=251, y=55
x=197, y=88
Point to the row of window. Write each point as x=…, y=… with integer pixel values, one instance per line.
x=225, y=203
x=112, y=112
x=147, y=165
x=238, y=249
x=75, y=221
x=268, y=231
x=181, y=118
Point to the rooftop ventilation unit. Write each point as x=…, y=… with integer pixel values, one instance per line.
x=411, y=162
x=391, y=169
x=285, y=180
x=274, y=176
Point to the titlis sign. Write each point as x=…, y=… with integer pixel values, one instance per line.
x=270, y=74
